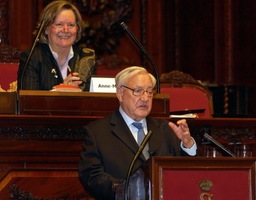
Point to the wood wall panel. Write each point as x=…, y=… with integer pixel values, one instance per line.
x=244, y=42
x=155, y=33
x=46, y=169
x=22, y=21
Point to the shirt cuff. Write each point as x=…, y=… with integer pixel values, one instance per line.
x=190, y=151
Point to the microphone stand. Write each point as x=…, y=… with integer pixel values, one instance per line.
x=31, y=51
x=141, y=147
x=125, y=27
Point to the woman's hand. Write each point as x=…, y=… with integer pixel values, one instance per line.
x=72, y=80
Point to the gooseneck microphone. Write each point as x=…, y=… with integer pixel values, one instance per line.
x=141, y=147
x=125, y=27
x=209, y=138
x=31, y=51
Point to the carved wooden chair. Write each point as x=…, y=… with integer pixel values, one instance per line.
x=186, y=94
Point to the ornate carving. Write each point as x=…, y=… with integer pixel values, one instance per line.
x=234, y=135
x=114, y=61
x=103, y=29
x=18, y=194
x=9, y=54
x=178, y=78
x=44, y=133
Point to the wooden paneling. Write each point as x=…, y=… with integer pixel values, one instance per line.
x=45, y=169
x=211, y=40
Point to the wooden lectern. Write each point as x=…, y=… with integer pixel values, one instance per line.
x=201, y=178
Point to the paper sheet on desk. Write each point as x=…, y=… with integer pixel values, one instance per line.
x=186, y=113
x=189, y=115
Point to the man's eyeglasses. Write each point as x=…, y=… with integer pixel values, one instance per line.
x=139, y=92
x=61, y=26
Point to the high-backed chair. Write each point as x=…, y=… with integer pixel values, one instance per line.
x=9, y=63
x=186, y=94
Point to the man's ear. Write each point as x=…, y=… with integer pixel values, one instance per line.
x=119, y=93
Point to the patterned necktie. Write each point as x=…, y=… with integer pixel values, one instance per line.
x=141, y=134
x=140, y=138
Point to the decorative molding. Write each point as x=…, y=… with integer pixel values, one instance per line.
x=44, y=133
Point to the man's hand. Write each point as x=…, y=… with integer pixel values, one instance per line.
x=182, y=132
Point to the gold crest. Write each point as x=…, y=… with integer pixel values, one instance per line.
x=205, y=185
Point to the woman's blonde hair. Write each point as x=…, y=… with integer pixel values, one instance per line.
x=49, y=14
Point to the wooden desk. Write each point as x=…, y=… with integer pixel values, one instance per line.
x=80, y=103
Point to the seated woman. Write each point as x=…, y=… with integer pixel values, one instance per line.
x=56, y=59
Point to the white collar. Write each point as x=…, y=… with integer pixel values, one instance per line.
x=55, y=55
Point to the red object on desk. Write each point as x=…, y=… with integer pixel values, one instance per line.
x=8, y=74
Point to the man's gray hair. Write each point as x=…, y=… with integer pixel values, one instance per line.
x=122, y=77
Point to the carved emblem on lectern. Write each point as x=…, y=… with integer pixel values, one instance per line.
x=205, y=185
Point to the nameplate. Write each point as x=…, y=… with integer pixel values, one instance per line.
x=103, y=84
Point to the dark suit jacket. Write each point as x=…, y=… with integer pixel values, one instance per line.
x=109, y=148
x=42, y=71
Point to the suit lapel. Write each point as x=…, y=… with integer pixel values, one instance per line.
x=122, y=131
x=157, y=135
x=49, y=60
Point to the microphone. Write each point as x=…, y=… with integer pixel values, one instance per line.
x=153, y=153
x=125, y=27
x=209, y=138
x=141, y=147
x=31, y=51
